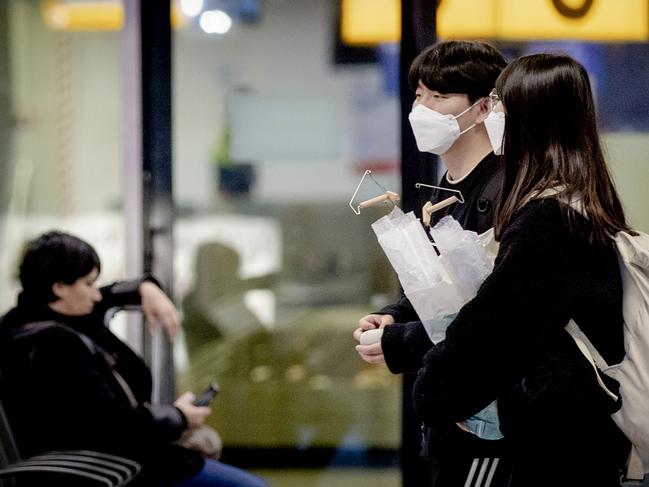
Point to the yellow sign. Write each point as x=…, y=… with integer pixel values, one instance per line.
x=375, y=21
x=369, y=22
x=91, y=15
x=466, y=19
x=602, y=20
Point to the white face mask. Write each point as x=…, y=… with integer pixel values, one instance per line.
x=435, y=132
x=495, y=126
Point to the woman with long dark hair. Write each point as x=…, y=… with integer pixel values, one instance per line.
x=556, y=263
x=552, y=141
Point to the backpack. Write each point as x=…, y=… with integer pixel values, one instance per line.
x=633, y=372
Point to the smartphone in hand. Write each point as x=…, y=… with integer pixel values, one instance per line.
x=207, y=395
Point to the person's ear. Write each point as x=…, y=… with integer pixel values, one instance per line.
x=484, y=109
x=60, y=289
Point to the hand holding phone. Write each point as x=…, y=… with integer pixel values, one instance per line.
x=207, y=395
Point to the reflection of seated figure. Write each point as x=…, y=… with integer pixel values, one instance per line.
x=217, y=306
x=299, y=372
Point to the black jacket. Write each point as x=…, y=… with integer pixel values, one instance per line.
x=60, y=393
x=509, y=344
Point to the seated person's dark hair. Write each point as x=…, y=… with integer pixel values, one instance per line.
x=467, y=67
x=55, y=257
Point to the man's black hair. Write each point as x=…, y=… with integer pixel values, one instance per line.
x=55, y=257
x=467, y=67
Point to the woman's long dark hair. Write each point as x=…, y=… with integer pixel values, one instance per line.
x=551, y=140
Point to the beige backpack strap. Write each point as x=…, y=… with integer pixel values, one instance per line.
x=591, y=354
x=634, y=468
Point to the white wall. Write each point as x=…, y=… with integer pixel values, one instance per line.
x=288, y=53
x=67, y=92
x=627, y=156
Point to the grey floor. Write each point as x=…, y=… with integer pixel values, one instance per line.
x=339, y=477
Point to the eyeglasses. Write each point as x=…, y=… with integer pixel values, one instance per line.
x=494, y=99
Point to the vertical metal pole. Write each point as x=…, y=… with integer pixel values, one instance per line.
x=418, y=22
x=132, y=165
x=157, y=202
x=417, y=32
x=147, y=167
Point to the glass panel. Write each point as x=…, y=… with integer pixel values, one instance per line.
x=273, y=268
x=60, y=129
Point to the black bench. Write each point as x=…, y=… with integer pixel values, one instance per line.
x=79, y=467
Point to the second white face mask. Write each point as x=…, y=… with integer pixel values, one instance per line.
x=435, y=132
x=495, y=126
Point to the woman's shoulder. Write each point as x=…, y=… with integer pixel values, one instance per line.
x=540, y=208
x=542, y=215
x=547, y=226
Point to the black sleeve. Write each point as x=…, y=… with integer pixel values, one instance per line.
x=169, y=420
x=404, y=346
x=518, y=309
x=89, y=404
x=402, y=311
x=123, y=293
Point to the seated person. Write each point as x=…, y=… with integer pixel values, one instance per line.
x=71, y=384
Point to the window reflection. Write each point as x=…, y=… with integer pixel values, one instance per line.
x=273, y=269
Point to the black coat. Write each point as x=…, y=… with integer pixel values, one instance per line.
x=509, y=344
x=60, y=391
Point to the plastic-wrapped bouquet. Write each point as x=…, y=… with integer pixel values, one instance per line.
x=439, y=282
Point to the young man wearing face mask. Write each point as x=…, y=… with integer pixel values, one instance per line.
x=452, y=117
